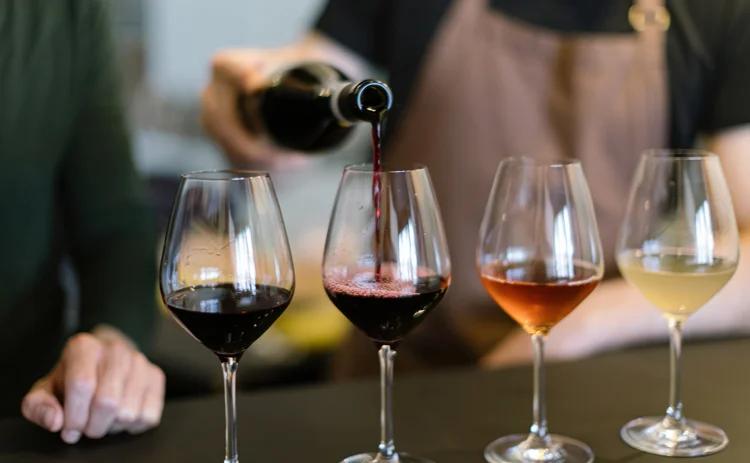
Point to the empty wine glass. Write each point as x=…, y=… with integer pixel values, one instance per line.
x=679, y=246
x=539, y=257
x=226, y=268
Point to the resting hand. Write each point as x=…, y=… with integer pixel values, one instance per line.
x=101, y=385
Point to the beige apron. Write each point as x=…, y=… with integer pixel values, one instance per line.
x=493, y=87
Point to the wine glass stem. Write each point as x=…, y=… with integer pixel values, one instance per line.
x=674, y=411
x=387, y=447
x=229, y=367
x=539, y=428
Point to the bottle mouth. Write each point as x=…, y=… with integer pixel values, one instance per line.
x=373, y=98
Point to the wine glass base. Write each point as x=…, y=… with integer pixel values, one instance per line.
x=671, y=438
x=519, y=448
x=377, y=458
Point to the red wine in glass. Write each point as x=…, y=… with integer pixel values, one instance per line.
x=383, y=309
x=377, y=115
x=225, y=228
x=227, y=320
x=377, y=167
x=387, y=286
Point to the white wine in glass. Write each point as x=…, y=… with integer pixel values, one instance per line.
x=678, y=245
x=677, y=284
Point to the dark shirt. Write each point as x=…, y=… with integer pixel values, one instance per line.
x=68, y=186
x=708, y=47
x=708, y=77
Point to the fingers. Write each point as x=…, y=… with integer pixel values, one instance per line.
x=150, y=404
x=41, y=407
x=113, y=375
x=242, y=69
x=80, y=365
x=220, y=117
x=134, y=391
x=120, y=426
x=236, y=72
x=107, y=387
x=153, y=402
x=153, y=405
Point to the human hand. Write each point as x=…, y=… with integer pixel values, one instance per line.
x=237, y=72
x=101, y=385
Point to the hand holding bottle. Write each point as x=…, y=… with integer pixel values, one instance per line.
x=266, y=106
x=234, y=73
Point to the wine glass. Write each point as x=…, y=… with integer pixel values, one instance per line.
x=226, y=268
x=539, y=257
x=679, y=246
x=386, y=266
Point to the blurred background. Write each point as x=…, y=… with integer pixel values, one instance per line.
x=165, y=50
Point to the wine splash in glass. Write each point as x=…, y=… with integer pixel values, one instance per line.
x=387, y=286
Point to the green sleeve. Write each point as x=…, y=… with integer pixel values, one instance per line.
x=108, y=223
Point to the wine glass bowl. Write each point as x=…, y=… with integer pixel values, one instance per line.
x=535, y=294
x=678, y=245
x=386, y=266
x=226, y=268
x=385, y=309
x=539, y=256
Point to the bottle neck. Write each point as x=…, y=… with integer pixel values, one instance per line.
x=340, y=105
x=366, y=101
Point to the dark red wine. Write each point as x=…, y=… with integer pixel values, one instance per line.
x=312, y=107
x=386, y=310
x=377, y=168
x=225, y=319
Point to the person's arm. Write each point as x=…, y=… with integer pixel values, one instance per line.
x=616, y=315
x=109, y=225
x=105, y=383
x=343, y=37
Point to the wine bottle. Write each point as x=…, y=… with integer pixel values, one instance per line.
x=313, y=107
